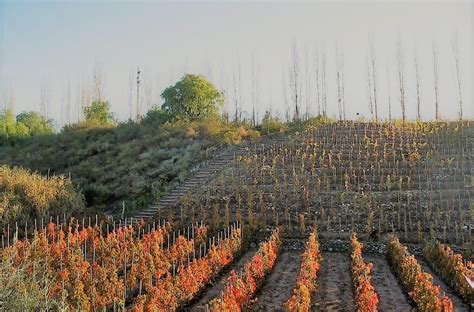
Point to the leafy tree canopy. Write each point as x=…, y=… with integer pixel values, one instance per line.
x=99, y=113
x=193, y=97
x=35, y=123
x=25, y=125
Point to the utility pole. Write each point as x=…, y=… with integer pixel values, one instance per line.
x=138, y=94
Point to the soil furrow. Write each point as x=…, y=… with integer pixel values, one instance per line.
x=215, y=289
x=334, y=289
x=391, y=294
x=279, y=285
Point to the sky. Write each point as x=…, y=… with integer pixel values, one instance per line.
x=50, y=45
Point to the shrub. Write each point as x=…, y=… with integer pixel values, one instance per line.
x=26, y=195
x=271, y=124
x=317, y=121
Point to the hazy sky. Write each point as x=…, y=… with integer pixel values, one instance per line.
x=53, y=43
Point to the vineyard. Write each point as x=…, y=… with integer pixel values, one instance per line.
x=344, y=216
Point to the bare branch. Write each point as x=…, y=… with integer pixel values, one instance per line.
x=455, y=46
x=436, y=80
x=417, y=75
x=401, y=78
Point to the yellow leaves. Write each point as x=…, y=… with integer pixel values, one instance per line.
x=418, y=283
x=26, y=192
x=306, y=281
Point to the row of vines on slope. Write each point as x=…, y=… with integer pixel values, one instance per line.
x=84, y=269
x=366, y=297
x=419, y=284
x=174, y=291
x=452, y=268
x=306, y=281
x=242, y=287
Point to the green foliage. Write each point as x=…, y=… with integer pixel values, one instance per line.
x=132, y=162
x=191, y=98
x=272, y=124
x=9, y=128
x=35, y=123
x=25, y=125
x=99, y=113
x=157, y=116
x=318, y=120
x=26, y=195
x=18, y=293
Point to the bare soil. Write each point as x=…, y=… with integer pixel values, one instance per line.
x=279, y=285
x=391, y=294
x=215, y=289
x=334, y=290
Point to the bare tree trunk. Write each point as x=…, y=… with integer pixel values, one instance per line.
x=369, y=90
x=417, y=75
x=239, y=71
x=44, y=98
x=389, y=97
x=318, y=80
x=343, y=88
x=98, y=82
x=436, y=80
x=324, y=83
x=307, y=83
x=138, y=117
x=374, y=78
x=130, y=95
x=285, y=97
x=78, y=101
x=8, y=95
x=255, y=90
x=68, y=102
x=147, y=89
x=85, y=95
x=236, y=88
x=223, y=86
x=338, y=84
x=455, y=45
x=401, y=78
x=294, y=80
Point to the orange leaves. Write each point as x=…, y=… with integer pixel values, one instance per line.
x=171, y=292
x=366, y=296
x=452, y=268
x=419, y=284
x=425, y=294
x=306, y=281
x=241, y=288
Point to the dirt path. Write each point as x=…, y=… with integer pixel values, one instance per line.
x=216, y=288
x=391, y=294
x=334, y=284
x=459, y=305
x=279, y=285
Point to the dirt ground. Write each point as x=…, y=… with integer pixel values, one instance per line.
x=219, y=285
x=279, y=285
x=391, y=294
x=334, y=290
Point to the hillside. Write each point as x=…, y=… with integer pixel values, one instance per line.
x=134, y=163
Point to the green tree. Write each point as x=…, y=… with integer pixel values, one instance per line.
x=193, y=97
x=34, y=123
x=8, y=125
x=99, y=113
